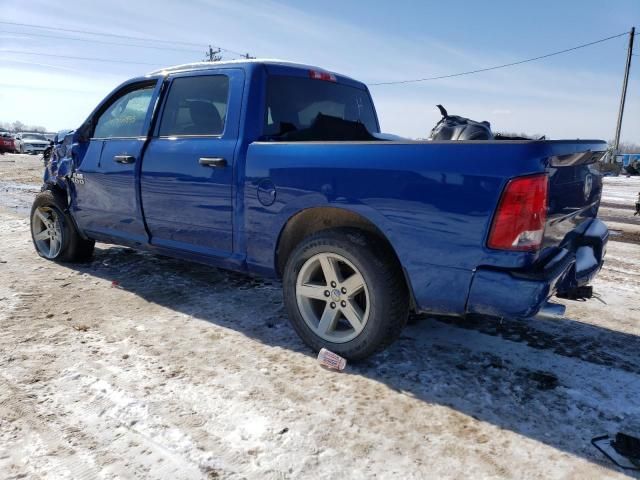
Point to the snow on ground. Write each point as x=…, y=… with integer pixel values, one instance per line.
x=186, y=371
x=621, y=190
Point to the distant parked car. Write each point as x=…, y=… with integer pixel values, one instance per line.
x=30, y=142
x=6, y=143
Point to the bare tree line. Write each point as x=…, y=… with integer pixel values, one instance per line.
x=626, y=147
x=18, y=126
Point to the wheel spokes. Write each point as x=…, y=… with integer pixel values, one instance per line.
x=316, y=292
x=43, y=235
x=332, y=297
x=354, y=284
x=42, y=216
x=329, y=320
x=329, y=269
x=46, y=231
x=353, y=314
x=53, y=247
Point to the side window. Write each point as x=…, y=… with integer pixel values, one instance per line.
x=196, y=106
x=126, y=115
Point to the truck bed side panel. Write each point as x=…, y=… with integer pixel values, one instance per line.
x=433, y=202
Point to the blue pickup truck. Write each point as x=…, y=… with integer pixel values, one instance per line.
x=280, y=169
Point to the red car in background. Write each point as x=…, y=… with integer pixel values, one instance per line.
x=6, y=143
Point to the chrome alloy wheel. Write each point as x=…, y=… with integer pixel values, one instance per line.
x=47, y=231
x=332, y=297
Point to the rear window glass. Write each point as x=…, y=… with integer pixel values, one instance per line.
x=196, y=106
x=293, y=103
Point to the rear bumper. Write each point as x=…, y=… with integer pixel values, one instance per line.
x=521, y=294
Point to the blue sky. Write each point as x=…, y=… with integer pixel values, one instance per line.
x=568, y=96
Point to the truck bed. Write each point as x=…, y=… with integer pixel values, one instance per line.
x=433, y=200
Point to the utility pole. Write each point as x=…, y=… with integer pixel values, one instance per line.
x=213, y=55
x=616, y=143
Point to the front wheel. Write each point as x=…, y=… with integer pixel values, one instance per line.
x=53, y=232
x=344, y=291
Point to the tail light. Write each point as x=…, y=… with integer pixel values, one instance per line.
x=519, y=221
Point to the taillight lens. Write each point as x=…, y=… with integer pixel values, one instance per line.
x=519, y=221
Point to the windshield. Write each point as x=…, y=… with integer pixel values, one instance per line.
x=32, y=136
x=294, y=103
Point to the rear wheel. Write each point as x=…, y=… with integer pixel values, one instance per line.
x=53, y=232
x=345, y=292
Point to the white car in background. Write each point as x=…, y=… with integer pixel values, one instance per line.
x=30, y=142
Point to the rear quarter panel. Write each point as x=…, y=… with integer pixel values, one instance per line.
x=434, y=202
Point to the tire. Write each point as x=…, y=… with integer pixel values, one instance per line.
x=53, y=231
x=352, y=321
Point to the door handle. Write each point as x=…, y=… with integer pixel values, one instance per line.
x=213, y=162
x=124, y=158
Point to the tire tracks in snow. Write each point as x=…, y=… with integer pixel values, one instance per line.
x=62, y=452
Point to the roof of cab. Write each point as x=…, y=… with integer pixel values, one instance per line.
x=197, y=66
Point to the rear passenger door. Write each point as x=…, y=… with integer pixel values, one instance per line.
x=187, y=173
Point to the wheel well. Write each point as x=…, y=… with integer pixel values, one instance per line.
x=59, y=191
x=313, y=220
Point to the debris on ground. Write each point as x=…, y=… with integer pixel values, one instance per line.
x=331, y=360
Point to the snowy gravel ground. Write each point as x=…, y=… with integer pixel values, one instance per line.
x=179, y=370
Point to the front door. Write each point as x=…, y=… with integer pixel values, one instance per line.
x=106, y=202
x=187, y=172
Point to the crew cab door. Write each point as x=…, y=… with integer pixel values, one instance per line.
x=106, y=203
x=187, y=172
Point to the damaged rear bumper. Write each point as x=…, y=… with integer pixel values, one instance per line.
x=522, y=294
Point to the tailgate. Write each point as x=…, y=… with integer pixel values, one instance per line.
x=575, y=188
